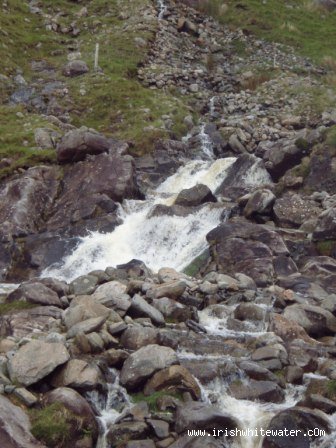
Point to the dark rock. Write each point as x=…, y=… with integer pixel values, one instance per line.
x=295, y=419
x=202, y=416
x=266, y=391
x=260, y=202
x=197, y=195
x=240, y=246
x=292, y=210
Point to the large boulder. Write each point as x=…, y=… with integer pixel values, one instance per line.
x=35, y=360
x=173, y=379
x=23, y=323
x=76, y=144
x=78, y=374
x=292, y=210
x=266, y=391
x=194, y=415
x=140, y=308
x=300, y=420
x=83, y=308
x=282, y=155
x=241, y=246
x=36, y=293
x=90, y=189
x=75, y=403
x=113, y=295
x=75, y=68
x=15, y=427
x=25, y=200
x=136, y=337
x=326, y=225
x=315, y=320
x=197, y=195
x=141, y=364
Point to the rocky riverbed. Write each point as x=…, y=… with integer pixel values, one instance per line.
x=190, y=288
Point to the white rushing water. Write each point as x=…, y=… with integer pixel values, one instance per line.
x=206, y=142
x=110, y=407
x=6, y=288
x=171, y=241
x=162, y=9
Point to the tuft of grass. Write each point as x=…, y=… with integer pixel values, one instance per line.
x=6, y=308
x=56, y=426
x=151, y=400
x=326, y=248
x=331, y=389
x=331, y=137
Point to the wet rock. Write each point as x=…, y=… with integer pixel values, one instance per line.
x=266, y=391
x=315, y=320
x=36, y=293
x=295, y=419
x=249, y=311
x=15, y=427
x=160, y=428
x=144, y=362
x=202, y=416
x=35, y=360
x=75, y=68
x=293, y=374
x=197, y=195
x=246, y=172
x=257, y=372
x=173, y=379
x=276, y=351
x=136, y=337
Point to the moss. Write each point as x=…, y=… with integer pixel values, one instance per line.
x=331, y=137
x=56, y=426
x=151, y=400
x=6, y=308
x=326, y=248
x=302, y=144
x=331, y=389
x=194, y=267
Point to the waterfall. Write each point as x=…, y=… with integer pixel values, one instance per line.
x=162, y=9
x=206, y=142
x=109, y=407
x=212, y=106
x=171, y=241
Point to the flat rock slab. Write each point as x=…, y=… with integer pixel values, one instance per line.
x=35, y=360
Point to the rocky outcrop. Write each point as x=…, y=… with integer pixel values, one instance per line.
x=191, y=197
x=240, y=246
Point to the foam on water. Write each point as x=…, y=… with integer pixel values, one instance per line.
x=171, y=241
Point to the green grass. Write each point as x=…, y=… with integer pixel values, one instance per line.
x=331, y=137
x=6, y=308
x=56, y=426
x=151, y=400
x=296, y=23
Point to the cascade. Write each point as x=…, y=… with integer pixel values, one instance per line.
x=162, y=9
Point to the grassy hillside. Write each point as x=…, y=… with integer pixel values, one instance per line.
x=299, y=23
x=111, y=101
